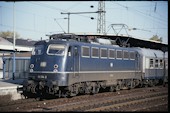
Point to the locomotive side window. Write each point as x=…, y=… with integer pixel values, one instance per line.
x=85, y=51
x=111, y=53
x=119, y=54
x=126, y=55
x=95, y=52
x=151, y=63
x=55, y=49
x=38, y=50
x=132, y=55
x=103, y=53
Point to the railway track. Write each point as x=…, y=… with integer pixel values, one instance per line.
x=124, y=106
x=123, y=100
x=20, y=101
x=105, y=104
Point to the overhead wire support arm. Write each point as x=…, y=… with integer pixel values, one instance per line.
x=122, y=26
x=81, y=12
x=68, y=13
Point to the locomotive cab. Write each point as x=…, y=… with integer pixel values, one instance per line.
x=47, y=68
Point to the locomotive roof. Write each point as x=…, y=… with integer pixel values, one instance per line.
x=121, y=41
x=81, y=43
x=125, y=41
x=151, y=52
x=134, y=42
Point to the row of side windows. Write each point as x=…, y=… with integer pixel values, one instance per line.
x=156, y=63
x=107, y=53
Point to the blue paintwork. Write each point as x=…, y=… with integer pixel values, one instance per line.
x=66, y=62
x=78, y=63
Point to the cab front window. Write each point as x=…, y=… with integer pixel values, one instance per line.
x=56, y=49
x=38, y=50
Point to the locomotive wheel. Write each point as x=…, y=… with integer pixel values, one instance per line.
x=112, y=88
x=88, y=88
x=117, y=87
x=141, y=84
x=95, y=90
x=151, y=84
x=67, y=94
x=81, y=90
x=27, y=95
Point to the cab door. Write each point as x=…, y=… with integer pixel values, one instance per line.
x=76, y=61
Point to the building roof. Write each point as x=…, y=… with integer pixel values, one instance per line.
x=25, y=54
x=22, y=42
x=4, y=42
x=131, y=41
x=22, y=45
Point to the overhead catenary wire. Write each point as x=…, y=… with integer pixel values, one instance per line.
x=59, y=25
x=85, y=16
x=133, y=9
x=127, y=7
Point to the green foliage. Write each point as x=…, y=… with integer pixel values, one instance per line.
x=156, y=38
x=8, y=34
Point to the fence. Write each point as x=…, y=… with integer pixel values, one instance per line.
x=21, y=67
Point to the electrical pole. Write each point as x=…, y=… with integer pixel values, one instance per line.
x=77, y=13
x=13, y=69
x=101, y=25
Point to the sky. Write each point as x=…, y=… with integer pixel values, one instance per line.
x=36, y=19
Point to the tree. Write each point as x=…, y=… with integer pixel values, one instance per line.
x=156, y=38
x=9, y=34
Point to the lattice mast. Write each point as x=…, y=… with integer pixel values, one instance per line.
x=101, y=25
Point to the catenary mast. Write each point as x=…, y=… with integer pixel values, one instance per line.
x=101, y=25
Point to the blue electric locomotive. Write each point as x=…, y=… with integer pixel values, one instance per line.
x=67, y=65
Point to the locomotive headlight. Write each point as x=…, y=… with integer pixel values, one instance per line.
x=31, y=66
x=31, y=70
x=55, y=66
x=55, y=70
